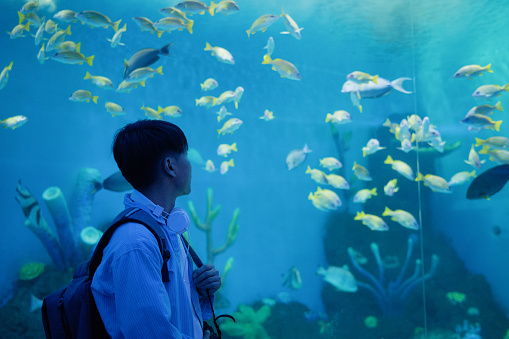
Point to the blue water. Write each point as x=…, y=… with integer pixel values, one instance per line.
x=279, y=227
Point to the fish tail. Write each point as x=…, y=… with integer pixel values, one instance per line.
x=218, y=133
x=375, y=79
x=94, y=99
x=373, y=191
x=208, y=47
x=496, y=127
x=87, y=76
x=68, y=30
x=189, y=26
x=236, y=105
x=388, y=160
x=231, y=163
x=159, y=109
x=308, y=170
x=90, y=59
x=21, y=17
x=165, y=50
x=159, y=33
x=359, y=215
x=248, y=33
x=211, y=8
x=485, y=149
x=498, y=106
x=478, y=142
x=115, y=25
x=78, y=47
x=386, y=212
x=487, y=68
x=234, y=147
x=506, y=87
x=26, y=27
x=196, y=101
x=328, y=117
x=398, y=85
x=419, y=176
x=160, y=70
x=266, y=59
x=473, y=174
x=282, y=11
x=10, y=66
x=310, y=196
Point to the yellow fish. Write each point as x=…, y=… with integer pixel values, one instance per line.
x=267, y=115
x=461, y=178
x=317, y=175
x=375, y=223
x=325, y=200
x=224, y=149
x=404, y=218
x=206, y=101
x=285, y=68
x=209, y=84
x=361, y=77
x=171, y=111
x=497, y=155
x=262, y=23
x=145, y=24
x=400, y=167
x=114, y=108
x=473, y=158
x=469, y=71
x=361, y=172
x=83, y=96
x=339, y=117
x=4, y=76
x=152, y=113
x=330, y=163
x=230, y=126
x=96, y=19
x=14, y=122
x=100, y=81
x=391, y=188
x=434, y=182
x=497, y=142
x=364, y=194
x=337, y=181
x=193, y=6
x=220, y=53
x=225, y=165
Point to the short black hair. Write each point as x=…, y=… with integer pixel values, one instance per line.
x=139, y=146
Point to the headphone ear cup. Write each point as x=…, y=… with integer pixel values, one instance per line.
x=178, y=221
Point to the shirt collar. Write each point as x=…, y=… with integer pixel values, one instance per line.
x=137, y=199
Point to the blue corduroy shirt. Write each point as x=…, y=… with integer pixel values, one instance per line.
x=129, y=292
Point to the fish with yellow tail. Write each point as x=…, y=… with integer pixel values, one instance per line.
x=267, y=115
x=50, y=26
x=225, y=97
x=403, y=218
x=291, y=26
x=225, y=166
x=297, y=157
x=485, y=109
x=339, y=117
x=363, y=195
x=99, y=81
x=140, y=75
x=65, y=15
x=4, y=76
x=262, y=23
x=496, y=142
x=209, y=166
x=270, y=46
x=434, y=182
x=192, y=7
x=57, y=38
x=172, y=24
x=170, y=111
x=461, y=177
x=374, y=223
x=337, y=181
x=285, y=68
x=391, y=187
x=317, y=175
x=206, y=101
x=145, y=24
x=144, y=58
x=229, y=126
x=71, y=57
x=222, y=113
x=17, y=31
x=361, y=172
x=489, y=91
x=220, y=53
x=470, y=71
x=115, y=40
x=30, y=7
x=209, y=84
x=224, y=150
x=14, y=122
x=39, y=34
x=330, y=163
x=227, y=7
x=371, y=147
x=96, y=19
x=339, y=277
x=400, y=167
x=473, y=158
x=497, y=155
x=41, y=57
x=361, y=77
x=83, y=96
x=479, y=121
x=324, y=199
x=151, y=113
x=126, y=87
x=114, y=109
x=173, y=12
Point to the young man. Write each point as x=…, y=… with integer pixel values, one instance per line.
x=128, y=290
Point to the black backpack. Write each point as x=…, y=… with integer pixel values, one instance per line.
x=71, y=312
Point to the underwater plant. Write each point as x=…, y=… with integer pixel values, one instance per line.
x=67, y=248
x=206, y=226
x=249, y=323
x=391, y=296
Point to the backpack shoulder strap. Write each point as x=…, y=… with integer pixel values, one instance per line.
x=139, y=216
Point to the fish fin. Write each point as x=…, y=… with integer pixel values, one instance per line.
x=201, y=13
x=375, y=79
x=208, y=47
x=189, y=26
x=266, y=59
x=115, y=25
x=398, y=85
x=142, y=83
x=165, y=50
x=211, y=8
x=87, y=76
x=159, y=33
x=487, y=68
x=248, y=33
x=498, y=106
x=285, y=32
x=160, y=70
x=90, y=59
x=94, y=99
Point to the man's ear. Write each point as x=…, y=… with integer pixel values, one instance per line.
x=168, y=167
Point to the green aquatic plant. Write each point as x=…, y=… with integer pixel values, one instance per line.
x=31, y=270
x=206, y=226
x=248, y=324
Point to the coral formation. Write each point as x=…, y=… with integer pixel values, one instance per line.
x=249, y=323
x=206, y=226
x=391, y=298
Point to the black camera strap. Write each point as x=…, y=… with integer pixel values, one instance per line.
x=199, y=263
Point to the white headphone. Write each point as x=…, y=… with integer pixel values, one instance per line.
x=177, y=220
